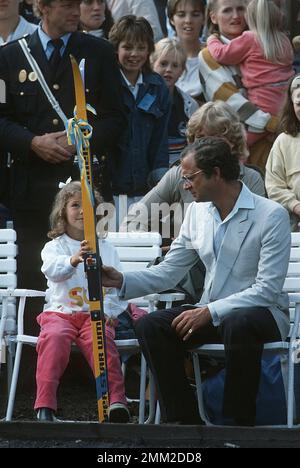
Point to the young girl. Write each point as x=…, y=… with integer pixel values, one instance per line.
x=265, y=57
x=283, y=165
x=227, y=18
x=187, y=18
x=142, y=157
x=169, y=59
x=66, y=317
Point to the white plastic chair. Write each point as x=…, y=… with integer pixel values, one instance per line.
x=283, y=348
x=8, y=281
x=136, y=250
x=21, y=339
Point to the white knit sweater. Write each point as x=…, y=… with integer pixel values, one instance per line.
x=67, y=285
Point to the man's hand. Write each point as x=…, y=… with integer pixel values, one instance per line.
x=111, y=278
x=190, y=321
x=63, y=142
x=49, y=148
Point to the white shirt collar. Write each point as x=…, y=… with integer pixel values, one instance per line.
x=134, y=89
x=244, y=201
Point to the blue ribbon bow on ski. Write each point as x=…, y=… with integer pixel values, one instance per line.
x=79, y=132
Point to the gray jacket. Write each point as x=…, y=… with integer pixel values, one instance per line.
x=250, y=268
x=170, y=192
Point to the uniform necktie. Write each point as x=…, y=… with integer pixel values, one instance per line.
x=55, y=57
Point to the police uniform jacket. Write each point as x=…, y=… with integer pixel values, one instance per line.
x=25, y=111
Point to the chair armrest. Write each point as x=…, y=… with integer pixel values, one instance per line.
x=295, y=327
x=5, y=292
x=167, y=297
x=294, y=297
x=27, y=293
x=128, y=345
x=21, y=293
x=171, y=296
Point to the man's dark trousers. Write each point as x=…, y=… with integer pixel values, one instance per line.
x=243, y=333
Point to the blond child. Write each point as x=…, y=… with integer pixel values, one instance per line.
x=65, y=318
x=169, y=60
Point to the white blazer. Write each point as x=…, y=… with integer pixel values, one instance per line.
x=250, y=269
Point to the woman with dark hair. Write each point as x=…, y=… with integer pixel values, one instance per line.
x=283, y=165
x=186, y=18
x=95, y=18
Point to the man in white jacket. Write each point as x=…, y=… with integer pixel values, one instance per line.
x=244, y=242
x=144, y=8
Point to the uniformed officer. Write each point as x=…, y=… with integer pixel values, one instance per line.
x=33, y=133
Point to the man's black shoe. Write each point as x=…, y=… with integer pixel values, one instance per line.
x=45, y=414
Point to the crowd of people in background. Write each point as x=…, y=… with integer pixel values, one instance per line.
x=170, y=80
x=207, y=57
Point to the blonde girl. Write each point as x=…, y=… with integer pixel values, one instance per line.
x=65, y=318
x=169, y=60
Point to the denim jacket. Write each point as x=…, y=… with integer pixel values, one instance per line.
x=142, y=155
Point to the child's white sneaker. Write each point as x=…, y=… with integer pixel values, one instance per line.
x=118, y=413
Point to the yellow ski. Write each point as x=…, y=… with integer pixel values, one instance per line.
x=79, y=133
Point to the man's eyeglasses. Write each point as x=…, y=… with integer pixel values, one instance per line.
x=188, y=179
